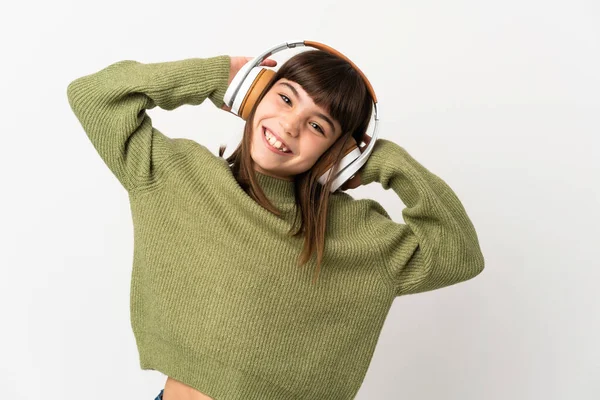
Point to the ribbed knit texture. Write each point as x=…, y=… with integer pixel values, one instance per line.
x=217, y=300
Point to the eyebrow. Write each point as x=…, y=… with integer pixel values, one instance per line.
x=293, y=89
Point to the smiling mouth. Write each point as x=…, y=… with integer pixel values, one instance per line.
x=271, y=146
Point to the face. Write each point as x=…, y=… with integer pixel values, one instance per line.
x=288, y=114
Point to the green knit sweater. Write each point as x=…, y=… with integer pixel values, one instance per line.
x=217, y=300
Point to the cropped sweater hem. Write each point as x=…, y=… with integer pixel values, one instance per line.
x=215, y=378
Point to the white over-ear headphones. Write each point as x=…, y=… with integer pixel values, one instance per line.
x=252, y=79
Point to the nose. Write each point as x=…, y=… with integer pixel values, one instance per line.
x=289, y=123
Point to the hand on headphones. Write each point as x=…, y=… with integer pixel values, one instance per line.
x=236, y=63
x=354, y=182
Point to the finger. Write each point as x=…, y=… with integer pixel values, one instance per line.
x=266, y=62
x=269, y=63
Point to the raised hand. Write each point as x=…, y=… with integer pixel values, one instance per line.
x=236, y=63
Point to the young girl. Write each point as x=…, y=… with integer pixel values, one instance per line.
x=227, y=299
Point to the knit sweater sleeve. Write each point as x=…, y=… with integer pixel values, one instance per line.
x=111, y=106
x=438, y=245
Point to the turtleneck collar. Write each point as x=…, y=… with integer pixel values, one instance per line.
x=276, y=188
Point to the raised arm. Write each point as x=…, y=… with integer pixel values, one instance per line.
x=111, y=106
x=438, y=245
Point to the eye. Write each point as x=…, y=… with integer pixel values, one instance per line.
x=319, y=128
x=284, y=97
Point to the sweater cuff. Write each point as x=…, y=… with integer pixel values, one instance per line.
x=221, y=67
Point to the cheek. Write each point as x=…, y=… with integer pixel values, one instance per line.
x=263, y=111
x=312, y=151
x=267, y=103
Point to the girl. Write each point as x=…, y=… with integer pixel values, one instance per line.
x=225, y=298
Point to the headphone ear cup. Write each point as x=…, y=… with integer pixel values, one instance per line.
x=349, y=154
x=263, y=78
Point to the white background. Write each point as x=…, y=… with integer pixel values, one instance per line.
x=500, y=99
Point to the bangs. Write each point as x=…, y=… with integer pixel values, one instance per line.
x=334, y=85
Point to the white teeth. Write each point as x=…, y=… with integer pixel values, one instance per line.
x=274, y=142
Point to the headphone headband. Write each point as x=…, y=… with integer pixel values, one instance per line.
x=247, y=68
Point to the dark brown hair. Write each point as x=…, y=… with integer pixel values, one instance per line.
x=338, y=88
